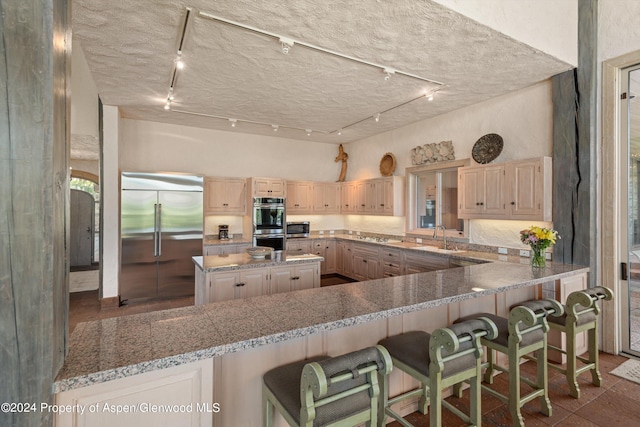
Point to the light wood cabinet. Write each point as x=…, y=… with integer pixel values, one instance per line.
x=225, y=196
x=268, y=187
x=326, y=197
x=241, y=284
x=366, y=264
x=379, y=196
x=299, y=246
x=326, y=248
x=300, y=197
x=225, y=249
x=189, y=385
x=518, y=190
x=344, y=258
x=286, y=279
x=391, y=261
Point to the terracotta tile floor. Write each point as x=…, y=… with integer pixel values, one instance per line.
x=616, y=403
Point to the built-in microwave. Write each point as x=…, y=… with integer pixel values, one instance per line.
x=297, y=229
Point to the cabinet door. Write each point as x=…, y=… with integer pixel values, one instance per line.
x=526, y=189
x=370, y=197
x=494, y=191
x=252, y=283
x=306, y=276
x=470, y=191
x=214, y=195
x=330, y=256
x=299, y=197
x=359, y=200
x=280, y=280
x=236, y=196
x=345, y=197
x=277, y=188
x=223, y=286
x=261, y=187
x=385, y=196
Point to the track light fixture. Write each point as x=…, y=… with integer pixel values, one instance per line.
x=308, y=132
x=377, y=117
x=233, y=122
x=286, y=44
x=275, y=128
x=179, y=63
x=339, y=131
x=388, y=73
x=167, y=106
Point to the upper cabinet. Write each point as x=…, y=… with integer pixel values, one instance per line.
x=299, y=197
x=518, y=190
x=224, y=196
x=268, y=187
x=326, y=197
x=379, y=196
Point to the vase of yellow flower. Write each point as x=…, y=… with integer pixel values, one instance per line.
x=539, y=239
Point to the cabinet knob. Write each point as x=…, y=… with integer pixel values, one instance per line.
x=513, y=203
x=382, y=204
x=239, y=284
x=364, y=260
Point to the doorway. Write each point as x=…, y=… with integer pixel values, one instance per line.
x=630, y=161
x=82, y=229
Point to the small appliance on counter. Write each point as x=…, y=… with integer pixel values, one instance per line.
x=297, y=230
x=223, y=232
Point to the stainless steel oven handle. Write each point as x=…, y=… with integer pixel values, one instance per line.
x=155, y=230
x=160, y=229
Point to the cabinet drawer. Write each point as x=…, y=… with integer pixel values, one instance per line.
x=391, y=255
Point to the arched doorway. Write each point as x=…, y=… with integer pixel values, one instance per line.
x=84, y=219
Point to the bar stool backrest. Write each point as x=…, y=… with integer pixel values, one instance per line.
x=342, y=383
x=531, y=316
x=585, y=301
x=457, y=341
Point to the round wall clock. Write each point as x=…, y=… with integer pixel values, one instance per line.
x=487, y=148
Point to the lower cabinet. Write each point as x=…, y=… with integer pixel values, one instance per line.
x=242, y=284
x=176, y=396
x=391, y=260
x=326, y=248
x=344, y=258
x=228, y=285
x=365, y=262
x=287, y=279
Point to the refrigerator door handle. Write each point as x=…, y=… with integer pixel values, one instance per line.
x=159, y=229
x=155, y=230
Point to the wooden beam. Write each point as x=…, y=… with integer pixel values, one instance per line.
x=35, y=49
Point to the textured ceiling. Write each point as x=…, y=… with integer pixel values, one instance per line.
x=230, y=72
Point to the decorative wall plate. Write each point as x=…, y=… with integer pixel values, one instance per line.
x=387, y=164
x=487, y=148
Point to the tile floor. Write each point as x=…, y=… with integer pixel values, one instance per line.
x=617, y=403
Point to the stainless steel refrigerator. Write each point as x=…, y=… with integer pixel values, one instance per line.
x=161, y=229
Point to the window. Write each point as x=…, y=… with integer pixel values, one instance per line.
x=433, y=197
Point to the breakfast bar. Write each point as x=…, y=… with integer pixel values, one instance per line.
x=217, y=353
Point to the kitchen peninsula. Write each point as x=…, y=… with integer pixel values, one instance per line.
x=218, y=352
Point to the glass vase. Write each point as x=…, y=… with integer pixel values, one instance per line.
x=538, y=259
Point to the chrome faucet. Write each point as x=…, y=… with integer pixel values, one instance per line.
x=444, y=234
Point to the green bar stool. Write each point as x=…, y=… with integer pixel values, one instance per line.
x=438, y=360
x=581, y=314
x=339, y=391
x=524, y=332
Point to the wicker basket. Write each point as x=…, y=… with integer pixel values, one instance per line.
x=387, y=164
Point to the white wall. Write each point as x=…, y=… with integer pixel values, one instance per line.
x=151, y=146
x=618, y=29
x=548, y=25
x=84, y=95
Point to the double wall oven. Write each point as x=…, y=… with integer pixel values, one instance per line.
x=269, y=222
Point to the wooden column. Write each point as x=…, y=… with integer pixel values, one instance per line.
x=574, y=149
x=35, y=50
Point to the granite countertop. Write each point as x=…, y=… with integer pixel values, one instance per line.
x=243, y=261
x=109, y=349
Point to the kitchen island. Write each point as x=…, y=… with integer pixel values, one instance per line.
x=234, y=276
x=217, y=353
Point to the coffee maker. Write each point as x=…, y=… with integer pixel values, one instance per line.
x=223, y=232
